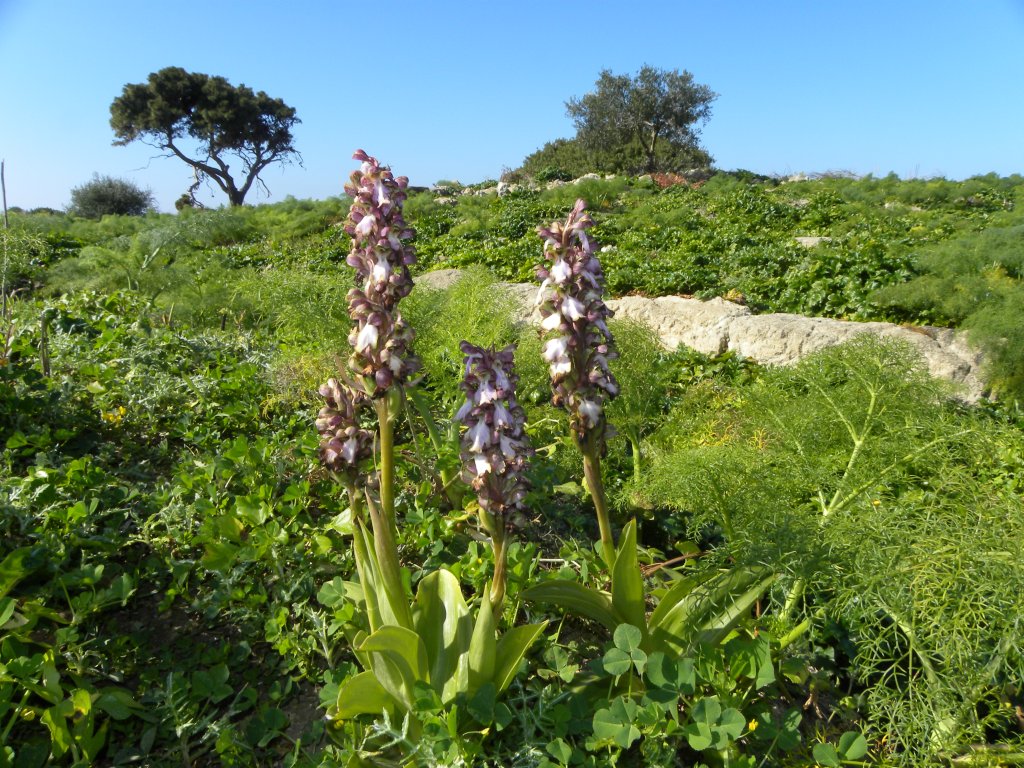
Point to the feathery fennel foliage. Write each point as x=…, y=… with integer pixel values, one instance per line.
x=475, y=307
x=643, y=373
x=975, y=282
x=877, y=501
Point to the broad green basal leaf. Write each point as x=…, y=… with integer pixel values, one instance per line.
x=397, y=659
x=512, y=647
x=443, y=622
x=482, y=647
x=576, y=598
x=627, y=583
x=361, y=695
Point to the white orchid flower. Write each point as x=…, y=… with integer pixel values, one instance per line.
x=561, y=271
x=367, y=338
x=480, y=435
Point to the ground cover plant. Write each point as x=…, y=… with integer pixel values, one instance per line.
x=689, y=560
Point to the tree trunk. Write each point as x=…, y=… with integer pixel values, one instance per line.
x=650, y=152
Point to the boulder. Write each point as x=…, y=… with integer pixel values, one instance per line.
x=782, y=339
x=439, y=279
x=811, y=242
x=525, y=295
x=716, y=326
x=700, y=325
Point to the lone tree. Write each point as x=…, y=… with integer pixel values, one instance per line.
x=175, y=108
x=655, y=106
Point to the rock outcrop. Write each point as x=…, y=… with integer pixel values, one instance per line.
x=717, y=326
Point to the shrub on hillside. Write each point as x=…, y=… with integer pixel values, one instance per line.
x=849, y=476
x=105, y=195
x=567, y=159
x=22, y=254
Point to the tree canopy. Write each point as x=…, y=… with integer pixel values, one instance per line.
x=643, y=113
x=205, y=121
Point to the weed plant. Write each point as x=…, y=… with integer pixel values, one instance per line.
x=850, y=475
x=974, y=282
x=22, y=258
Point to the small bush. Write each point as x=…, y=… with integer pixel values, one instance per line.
x=22, y=254
x=975, y=282
x=105, y=195
x=847, y=474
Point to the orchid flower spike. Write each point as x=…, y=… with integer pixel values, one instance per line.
x=381, y=257
x=495, y=448
x=574, y=316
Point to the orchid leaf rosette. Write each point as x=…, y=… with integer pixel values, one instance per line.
x=381, y=257
x=494, y=447
x=579, y=347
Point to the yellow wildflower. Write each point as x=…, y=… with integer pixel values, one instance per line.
x=115, y=416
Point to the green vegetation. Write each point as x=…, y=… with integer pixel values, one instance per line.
x=107, y=196
x=823, y=566
x=641, y=124
x=849, y=475
x=974, y=282
x=890, y=250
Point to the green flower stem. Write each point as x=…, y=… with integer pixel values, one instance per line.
x=13, y=719
x=794, y=633
x=355, y=501
x=634, y=443
x=499, y=545
x=907, y=628
x=592, y=473
x=382, y=517
x=796, y=593
x=386, y=422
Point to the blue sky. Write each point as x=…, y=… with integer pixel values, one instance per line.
x=443, y=90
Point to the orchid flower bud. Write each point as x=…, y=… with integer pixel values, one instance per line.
x=343, y=443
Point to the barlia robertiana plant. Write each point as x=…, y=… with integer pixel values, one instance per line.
x=572, y=306
x=578, y=351
x=495, y=450
x=381, y=258
x=432, y=639
x=380, y=339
